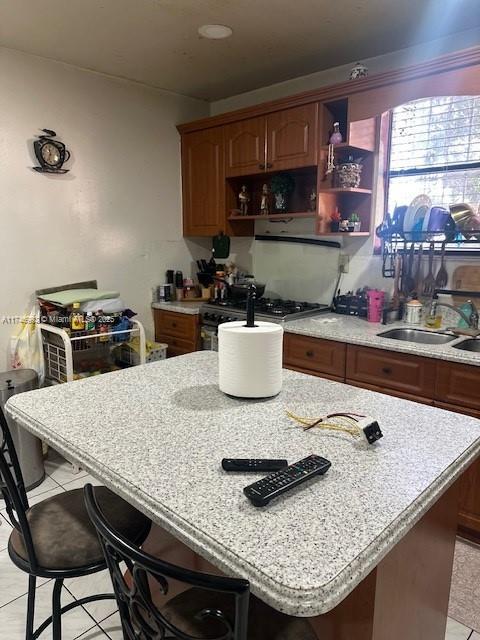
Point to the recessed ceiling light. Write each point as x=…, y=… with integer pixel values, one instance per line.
x=215, y=31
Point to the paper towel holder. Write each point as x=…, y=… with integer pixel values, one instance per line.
x=251, y=297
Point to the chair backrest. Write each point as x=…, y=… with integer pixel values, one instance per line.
x=141, y=618
x=13, y=490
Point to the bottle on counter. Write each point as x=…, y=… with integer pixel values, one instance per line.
x=102, y=327
x=170, y=280
x=77, y=322
x=89, y=321
x=178, y=285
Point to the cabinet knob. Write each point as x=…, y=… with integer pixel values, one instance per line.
x=386, y=370
x=269, y=165
x=261, y=166
x=310, y=354
x=174, y=324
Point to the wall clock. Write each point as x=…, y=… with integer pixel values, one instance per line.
x=50, y=153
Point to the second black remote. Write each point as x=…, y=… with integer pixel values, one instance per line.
x=253, y=464
x=261, y=492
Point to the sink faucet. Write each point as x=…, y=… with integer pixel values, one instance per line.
x=471, y=320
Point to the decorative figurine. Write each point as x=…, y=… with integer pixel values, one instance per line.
x=358, y=71
x=243, y=199
x=264, y=206
x=282, y=186
x=313, y=200
x=336, y=137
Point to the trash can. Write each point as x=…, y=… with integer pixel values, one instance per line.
x=28, y=446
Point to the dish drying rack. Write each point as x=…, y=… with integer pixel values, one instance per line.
x=59, y=347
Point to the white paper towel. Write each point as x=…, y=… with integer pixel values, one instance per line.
x=250, y=359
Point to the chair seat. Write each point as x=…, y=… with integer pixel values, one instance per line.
x=264, y=623
x=64, y=537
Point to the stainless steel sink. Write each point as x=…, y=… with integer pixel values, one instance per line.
x=468, y=345
x=418, y=335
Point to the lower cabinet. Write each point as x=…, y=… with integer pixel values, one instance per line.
x=408, y=376
x=446, y=385
x=325, y=358
x=180, y=331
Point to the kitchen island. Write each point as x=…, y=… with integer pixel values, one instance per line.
x=365, y=551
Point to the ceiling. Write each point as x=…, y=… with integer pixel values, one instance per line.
x=156, y=42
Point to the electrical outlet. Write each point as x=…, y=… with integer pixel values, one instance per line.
x=343, y=261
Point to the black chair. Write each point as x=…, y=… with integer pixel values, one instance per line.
x=214, y=607
x=55, y=538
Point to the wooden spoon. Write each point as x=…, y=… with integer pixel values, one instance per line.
x=410, y=281
x=429, y=282
x=418, y=272
x=396, y=293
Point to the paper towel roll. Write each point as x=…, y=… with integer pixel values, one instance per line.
x=250, y=359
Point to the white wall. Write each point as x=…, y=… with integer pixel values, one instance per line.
x=364, y=269
x=116, y=216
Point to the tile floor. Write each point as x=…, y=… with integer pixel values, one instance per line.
x=95, y=621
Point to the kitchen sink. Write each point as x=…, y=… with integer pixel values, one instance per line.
x=419, y=336
x=468, y=345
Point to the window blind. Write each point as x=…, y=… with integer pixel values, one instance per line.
x=435, y=133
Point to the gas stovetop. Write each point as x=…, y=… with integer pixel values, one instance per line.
x=273, y=310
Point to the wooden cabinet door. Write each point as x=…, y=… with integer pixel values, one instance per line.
x=389, y=370
x=245, y=147
x=203, y=181
x=458, y=384
x=324, y=358
x=292, y=138
x=179, y=331
x=469, y=505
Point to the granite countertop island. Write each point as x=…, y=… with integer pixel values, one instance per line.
x=352, y=330
x=156, y=434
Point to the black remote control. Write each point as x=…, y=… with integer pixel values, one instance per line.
x=260, y=493
x=251, y=464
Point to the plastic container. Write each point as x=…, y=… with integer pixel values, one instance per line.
x=375, y=301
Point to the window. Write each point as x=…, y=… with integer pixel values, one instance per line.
x=435, y=150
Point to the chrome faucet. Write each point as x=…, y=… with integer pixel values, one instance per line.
x=471, y=320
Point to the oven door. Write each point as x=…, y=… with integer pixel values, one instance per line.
x=208, y=338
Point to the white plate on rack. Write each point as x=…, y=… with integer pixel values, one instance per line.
x=418, y=210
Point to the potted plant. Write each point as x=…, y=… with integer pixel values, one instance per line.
x=335, y=219
x=355, y=222
x=281, y=185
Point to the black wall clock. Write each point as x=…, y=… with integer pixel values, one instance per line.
x=51, y=154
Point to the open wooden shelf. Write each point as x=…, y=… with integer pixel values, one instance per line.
x=275, y=216
x=350, y=190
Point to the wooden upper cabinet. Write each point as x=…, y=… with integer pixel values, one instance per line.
x=245, y=147
x=283, y=140
x=203, y=180
x=292, y=138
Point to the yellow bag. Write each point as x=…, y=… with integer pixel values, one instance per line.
x=26, y=349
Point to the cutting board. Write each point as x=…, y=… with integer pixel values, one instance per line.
x=467, y=278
